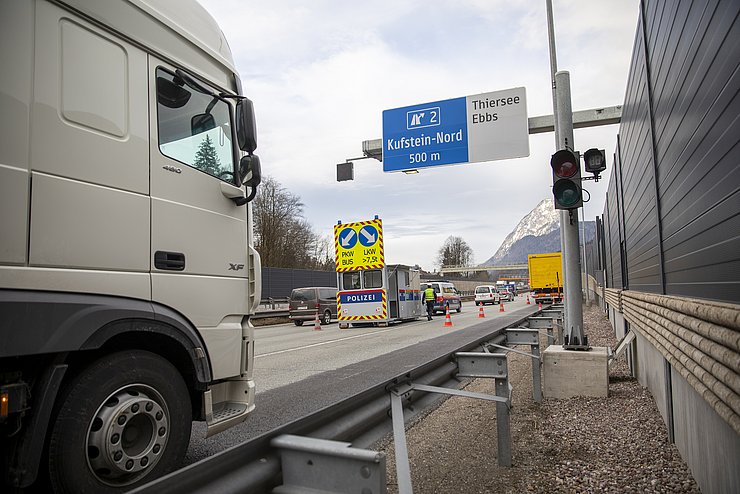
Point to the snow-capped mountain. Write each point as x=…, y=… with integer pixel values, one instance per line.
x=536, y=233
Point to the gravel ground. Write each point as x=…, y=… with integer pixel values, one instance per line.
x=615, y=444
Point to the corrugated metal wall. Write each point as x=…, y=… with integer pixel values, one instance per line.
x=637, y=180
x=694, y=53
x=674, y=192
x=613, y=230
x=672, y=218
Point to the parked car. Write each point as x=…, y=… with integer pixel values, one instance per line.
x=505, y=294
x=486, y=294
x=305, y=303
x=447, y=295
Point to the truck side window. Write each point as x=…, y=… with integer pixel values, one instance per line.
x=194, y=128
x=373, y=278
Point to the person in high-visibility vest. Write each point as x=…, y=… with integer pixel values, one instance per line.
x=429, y=297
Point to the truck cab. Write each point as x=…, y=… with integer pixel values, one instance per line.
x=127, y=272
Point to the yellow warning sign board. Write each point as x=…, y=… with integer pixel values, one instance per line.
x=359, y=245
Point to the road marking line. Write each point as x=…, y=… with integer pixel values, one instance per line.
x=323, y=343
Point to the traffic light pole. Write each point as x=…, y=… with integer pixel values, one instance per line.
x=575, y=338
x=553, y=70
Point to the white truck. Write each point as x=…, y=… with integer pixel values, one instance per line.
x=127, y=273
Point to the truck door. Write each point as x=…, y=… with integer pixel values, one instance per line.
x=198, y=234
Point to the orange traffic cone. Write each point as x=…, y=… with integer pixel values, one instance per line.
x=528, y=303
x=501, y=307
x=539, y=306
x=448, y=321
x=317, y=323
x=480, y=311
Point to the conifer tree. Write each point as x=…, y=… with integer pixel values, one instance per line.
x=206, y=158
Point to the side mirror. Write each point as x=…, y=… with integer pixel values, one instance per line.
x=246, y=126
x=202, y=122
x=250, y=174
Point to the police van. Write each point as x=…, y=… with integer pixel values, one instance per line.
x=447, y=295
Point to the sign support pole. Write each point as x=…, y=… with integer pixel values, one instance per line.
x=575, y=338
x=553, y=70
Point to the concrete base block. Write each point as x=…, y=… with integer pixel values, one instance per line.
x=569, y=373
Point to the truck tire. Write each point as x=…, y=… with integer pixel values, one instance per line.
x=123, y=421
x=326, y=319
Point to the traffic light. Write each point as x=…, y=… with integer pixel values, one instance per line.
x=594, y=161
x=566, y=179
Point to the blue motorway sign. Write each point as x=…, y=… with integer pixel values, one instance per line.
x=424, y=135
x=482, y=127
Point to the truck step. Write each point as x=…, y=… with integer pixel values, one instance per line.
x=227, y=410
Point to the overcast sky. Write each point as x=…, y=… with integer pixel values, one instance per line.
x=321, y=73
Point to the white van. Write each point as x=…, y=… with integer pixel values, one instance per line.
x=447, y=295
x=486, y=294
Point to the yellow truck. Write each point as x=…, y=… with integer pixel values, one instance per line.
x=546, y=277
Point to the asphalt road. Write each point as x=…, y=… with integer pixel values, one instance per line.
x=298, y=370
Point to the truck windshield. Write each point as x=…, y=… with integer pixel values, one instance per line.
x=194, y=128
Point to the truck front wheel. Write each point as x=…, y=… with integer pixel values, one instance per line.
x=123, y=421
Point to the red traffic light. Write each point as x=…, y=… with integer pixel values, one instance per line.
x=566, y=179
x=565, y=163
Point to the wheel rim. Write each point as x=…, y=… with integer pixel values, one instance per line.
x=128, y=435
x=327, y=317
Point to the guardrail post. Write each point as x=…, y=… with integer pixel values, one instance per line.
x=536, y=374
x=503, y=428
x=492, y=365
x=557, y=321
x=531, y=337
x=403, y=469
x=546, y=323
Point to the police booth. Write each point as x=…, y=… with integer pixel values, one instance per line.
x=378, y=296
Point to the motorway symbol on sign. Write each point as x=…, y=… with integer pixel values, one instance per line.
x=482, y=127
x=359, y=245
x=426, y=117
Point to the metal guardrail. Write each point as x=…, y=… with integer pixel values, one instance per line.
x=273, y=302
x=363, y=418
x=274, y=310
x=270, y=313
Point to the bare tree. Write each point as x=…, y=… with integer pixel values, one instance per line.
x=324, y=253
x=454, y=252
x=283, y=237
